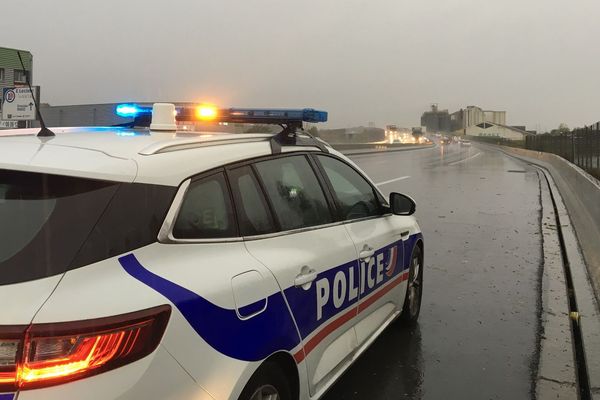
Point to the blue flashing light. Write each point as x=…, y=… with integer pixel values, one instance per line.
x=131, y=110
x=311, y=115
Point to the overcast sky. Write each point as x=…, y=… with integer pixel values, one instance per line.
x=383, y=61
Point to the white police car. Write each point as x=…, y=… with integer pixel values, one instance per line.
x=144, y=263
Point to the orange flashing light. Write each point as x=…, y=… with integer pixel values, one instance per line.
x=206, y=112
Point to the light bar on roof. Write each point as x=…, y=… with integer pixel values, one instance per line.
x=234, y=115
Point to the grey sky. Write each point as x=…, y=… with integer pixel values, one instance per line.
x=362, y=60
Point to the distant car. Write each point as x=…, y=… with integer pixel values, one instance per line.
x=465, y=142
x=445, y=140
x=155, y=263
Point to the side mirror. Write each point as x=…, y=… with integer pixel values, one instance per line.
x=401, y=204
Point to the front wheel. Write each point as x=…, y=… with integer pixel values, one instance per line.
x=414, y=291
x=268, y=383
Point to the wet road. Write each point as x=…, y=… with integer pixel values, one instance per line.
x=478, y=331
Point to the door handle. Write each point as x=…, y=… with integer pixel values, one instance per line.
x=404, y=234
x=366, y=253
x=305, y=278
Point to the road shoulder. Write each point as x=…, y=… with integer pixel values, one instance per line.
x=556, y=369
x=587, y=317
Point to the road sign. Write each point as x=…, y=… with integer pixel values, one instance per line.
x=9, y=124
x=18, y=104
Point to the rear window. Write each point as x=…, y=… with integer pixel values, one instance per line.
x=49, y=223
x=206, y=211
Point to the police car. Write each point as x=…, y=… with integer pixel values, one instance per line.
x=143, y=262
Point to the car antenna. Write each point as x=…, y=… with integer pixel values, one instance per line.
x=44, y=131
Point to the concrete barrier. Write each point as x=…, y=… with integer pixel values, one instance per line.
x=366, y=148
x=581, y=195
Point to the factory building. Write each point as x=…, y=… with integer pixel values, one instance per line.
x=436, y=120
x=472, y=121
x=495, y=130
x=472, y=116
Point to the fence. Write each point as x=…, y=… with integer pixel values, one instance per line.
x=581, y=147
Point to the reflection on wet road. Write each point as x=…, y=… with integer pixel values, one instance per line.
x=477, y=334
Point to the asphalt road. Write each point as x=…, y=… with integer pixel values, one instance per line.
x=477, y=336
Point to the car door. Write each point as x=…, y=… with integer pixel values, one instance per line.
x=311, y=255
x=378, y=236
x=227, y=305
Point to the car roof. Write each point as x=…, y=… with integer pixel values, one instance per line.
x=128, y=155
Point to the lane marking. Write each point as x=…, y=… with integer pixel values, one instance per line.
x=392, y=180
x=465, y=159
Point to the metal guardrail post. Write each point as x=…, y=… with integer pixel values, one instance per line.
x=572, y=147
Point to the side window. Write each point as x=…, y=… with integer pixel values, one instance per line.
x=206, y=211
x=253, y=213
x=355, y=195
x=294, y=191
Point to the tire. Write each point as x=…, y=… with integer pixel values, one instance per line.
x=268, y=383
x=414, y=291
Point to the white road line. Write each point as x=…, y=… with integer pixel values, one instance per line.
x=465, y=159
x=392, y=180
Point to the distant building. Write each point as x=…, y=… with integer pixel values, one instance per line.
x=11, y=71
x=489, y=129
x=496, y=117
x=12, y=74
x=82, y=115
x=473, y=115
x=436, y=120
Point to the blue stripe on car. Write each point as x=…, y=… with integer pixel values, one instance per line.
x=221, y=328
x=252, y=308
x=247, y=339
